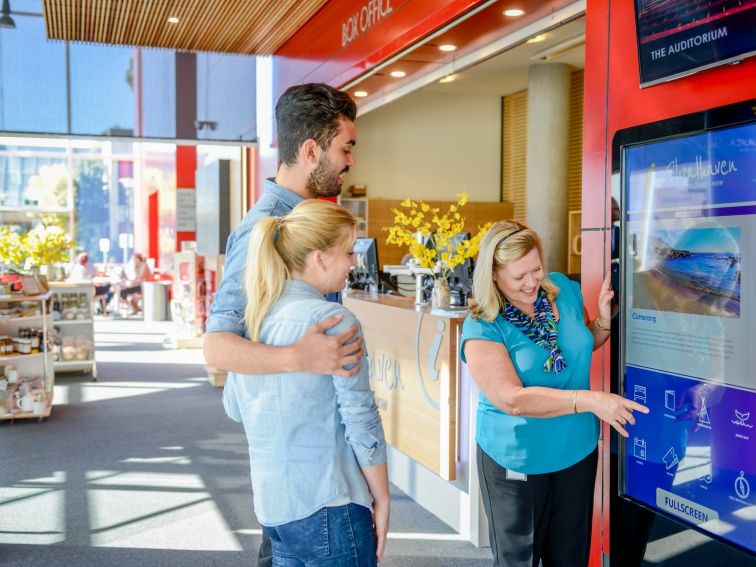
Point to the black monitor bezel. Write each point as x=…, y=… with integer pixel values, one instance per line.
x=709, y=120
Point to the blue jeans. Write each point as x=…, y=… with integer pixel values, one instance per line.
x=341, y=536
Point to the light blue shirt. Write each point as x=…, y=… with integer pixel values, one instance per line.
x=534, y=445
x=308, y=434
x=227, y=310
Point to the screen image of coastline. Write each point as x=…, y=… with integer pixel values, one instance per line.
x=689, y=226
x=694, y=271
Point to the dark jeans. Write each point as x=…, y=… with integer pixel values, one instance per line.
x=339, y=536
x=265, y=553
x=544, y=518
x=103, y=290
x=125, y=292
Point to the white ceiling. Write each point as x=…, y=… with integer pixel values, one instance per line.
x=507, y=72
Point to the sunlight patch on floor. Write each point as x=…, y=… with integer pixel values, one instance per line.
x=20, y=520
x=158, y=460
x=153, y=519
x=672, y=545
x=148, y=480
x=155, y=357
x=103, y=391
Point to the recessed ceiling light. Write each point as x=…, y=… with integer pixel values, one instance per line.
x=538, y=38
x=514, y=12
x=447, y=47
x=173, y=20
x=398, y=74
x=449, y=78
x=360, y=93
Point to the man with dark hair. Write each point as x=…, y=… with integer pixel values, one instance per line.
x=316, y=136
x=310, y=111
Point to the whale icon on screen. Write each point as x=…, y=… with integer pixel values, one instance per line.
x=741, y=417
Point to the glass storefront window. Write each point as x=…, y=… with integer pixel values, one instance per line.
x=32, y=78
x=158, y=118
x=92, y=207
x=99, y=189
x=226, y=112
x=40, y=182
x=102, y=90
x=36, y=145
x=78, y=89
x=31, y=6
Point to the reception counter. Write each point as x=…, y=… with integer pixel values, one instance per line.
x=427, y=402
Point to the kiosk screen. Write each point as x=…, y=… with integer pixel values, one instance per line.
x=688, y=328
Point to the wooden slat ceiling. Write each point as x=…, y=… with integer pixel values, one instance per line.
x=251, y=27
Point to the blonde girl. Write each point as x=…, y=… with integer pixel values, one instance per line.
x=316, y=444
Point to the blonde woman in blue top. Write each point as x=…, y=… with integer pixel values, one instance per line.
x=528, y=345
x=316, y=444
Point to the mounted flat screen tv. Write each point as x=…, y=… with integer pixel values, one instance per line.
x=680, y=37
x=688, y=318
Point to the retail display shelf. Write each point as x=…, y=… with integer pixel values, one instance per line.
x=73, y=336
x=17, y=298
x=18, y=319
x=9, y=357
x=72, y=363
x=28, y=414
x=28, y=379
x=73, y=322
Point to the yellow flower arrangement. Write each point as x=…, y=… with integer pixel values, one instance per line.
x=419, y=217
x=11, y=246
x=41, y=246
x=47, y=244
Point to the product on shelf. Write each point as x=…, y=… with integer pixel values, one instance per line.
x=70, y=306
x=26, y=385
x=27, y=396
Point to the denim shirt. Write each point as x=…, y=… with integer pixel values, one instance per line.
x=308, y=434
x=227, y=310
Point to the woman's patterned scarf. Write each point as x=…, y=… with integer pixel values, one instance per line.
x=541, y=329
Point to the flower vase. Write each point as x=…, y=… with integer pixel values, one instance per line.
x=440, y=298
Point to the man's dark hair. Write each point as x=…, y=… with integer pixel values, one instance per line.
x=309, y=111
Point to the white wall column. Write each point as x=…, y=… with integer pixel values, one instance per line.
x=548, y=139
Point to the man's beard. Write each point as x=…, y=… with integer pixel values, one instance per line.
x=322, y=182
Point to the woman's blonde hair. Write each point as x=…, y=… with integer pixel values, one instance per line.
x=506, y=241
x=280, y=245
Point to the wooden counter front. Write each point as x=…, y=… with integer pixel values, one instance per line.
x=412, y=358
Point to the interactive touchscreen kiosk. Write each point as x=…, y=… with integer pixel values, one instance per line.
x=689, y=320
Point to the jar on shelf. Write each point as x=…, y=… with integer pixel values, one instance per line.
x=34, y=338
x=56, y=307
x=68, y=349
x=83, y=348
x=69, y=306
x=23, y=346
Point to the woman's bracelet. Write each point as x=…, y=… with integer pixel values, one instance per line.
x=574, y=401
x=600, y=326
